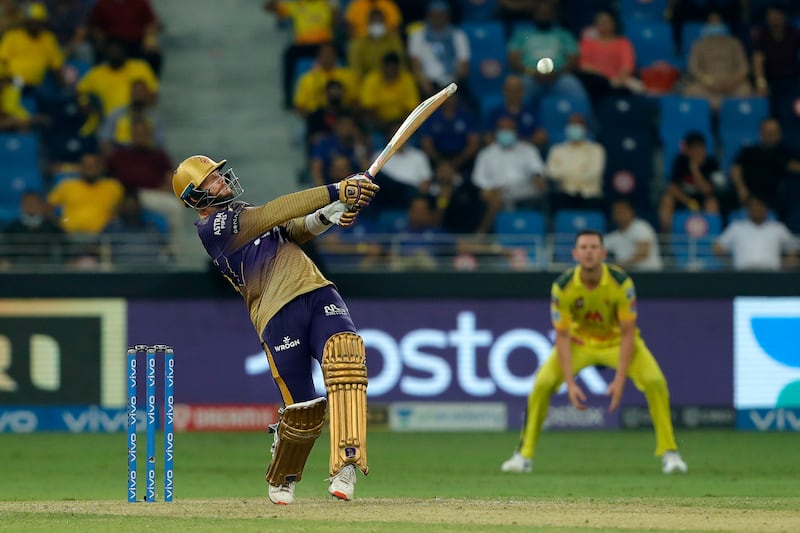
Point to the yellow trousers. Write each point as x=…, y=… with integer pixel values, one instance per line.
x=643, y=371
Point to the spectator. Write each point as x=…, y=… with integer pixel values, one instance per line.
x=31, y=51
x=758, y=243
x=322, y=122
x=451, y=133
x=717, y=65
x=357, y=16
x=147, y=168
x=634, y=244
x=510, y=174
x=312, y=25
x=310, y=92
x=459, y=207
x=69, y=23
x=13, y=116
x=134, y=239
x=388, y=95
x=607, y=60
x=545, y=39
x=776, y=56
x=422, y=243
x=404, y=176
x=364, y=54
x=347, y=141
x=439, y=52
x=111, y=81
x=117, y=128
x=576, y=166
x=33, y=238
x=691, y=186
x=759, y=169
x=132, y=23
x=524, y=114
x=89, y=201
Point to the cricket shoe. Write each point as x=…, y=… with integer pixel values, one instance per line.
x=343, y=484
x=281, y=494
x=672, y=463
x=517, y=463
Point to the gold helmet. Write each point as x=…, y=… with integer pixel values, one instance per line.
x=191, y=173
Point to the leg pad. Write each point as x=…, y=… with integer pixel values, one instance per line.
x=300, y=425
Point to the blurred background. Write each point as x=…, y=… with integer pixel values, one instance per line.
x=671, y=126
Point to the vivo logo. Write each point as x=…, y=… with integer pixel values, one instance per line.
x=18, y=421
x=95, y=419
x=775, y=420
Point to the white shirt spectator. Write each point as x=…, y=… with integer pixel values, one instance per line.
x=757, y=246
x=432, y=59
x=509, y=169
x=409, y=166
x=578, y=168
x=622, y=243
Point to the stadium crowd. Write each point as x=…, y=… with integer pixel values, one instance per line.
x=670, y=122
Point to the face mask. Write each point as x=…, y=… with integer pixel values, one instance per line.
x=376, y=29
x=506, y=138
x=31, y=221
x=575, y=132
x=714, y=30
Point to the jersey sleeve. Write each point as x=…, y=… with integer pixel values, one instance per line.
x=626, y=301
x=559, y=309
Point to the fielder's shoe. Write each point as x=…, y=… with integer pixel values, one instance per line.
x=517, y=463
x=281, y=494
x=671, y=463
x=343, y=483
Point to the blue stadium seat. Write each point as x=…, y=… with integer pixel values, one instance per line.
x=554, y=111
x=624, y=112
x=678, y=116
x=629, y=168
x=488, y=66
x=742, y=114
x=652, y=40
x=157, y=219
x=693, y=238
x=642, y=9
x=567, y=223
x=523, y=229
x=478, y=10
x=19, y=149
x=393, y=220
x=690, y=33
x=488, y=103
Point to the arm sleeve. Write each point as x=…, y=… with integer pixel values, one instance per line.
x=258, y=220
x=726, y=239
x=463, y=52
x=559, y=310
x=297, y=231
x=480, y=174
x=626, y=301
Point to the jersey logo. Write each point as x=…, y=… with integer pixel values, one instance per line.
x=288, y=343
x=579, y=303
x=333, y=309
x=593, y=316
x=235, y=222
x=219, y=223
x=630, y=294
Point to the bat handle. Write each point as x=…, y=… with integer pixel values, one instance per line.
x=369, y=175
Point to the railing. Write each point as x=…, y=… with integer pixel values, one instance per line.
x=337, y=251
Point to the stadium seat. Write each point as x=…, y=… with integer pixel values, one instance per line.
x=523, y=229
x=392, y=220
x=690, y=33
x=652, y=40
x=554, y=111
x=488, y=66
x=582, y=12
x=567, y=224
x=678, y=116
x=157, y=219
x=742, y=114
x=692, y=240
x=478, y=10
x=19, y=149
x=629, y=168
x=637, y=10
x=624, y=112
x=488, y=103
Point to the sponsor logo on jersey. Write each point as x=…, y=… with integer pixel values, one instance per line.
x=219, y=223
x=630, y=294
x=333, y=309
x=579, y=303
x=235, y=222
x=288, y=343
x=593, y=316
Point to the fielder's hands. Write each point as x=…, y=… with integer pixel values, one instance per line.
x=576, y=396
x=356, y=191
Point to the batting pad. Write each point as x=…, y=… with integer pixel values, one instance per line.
x=299, y=427
x=344, y=366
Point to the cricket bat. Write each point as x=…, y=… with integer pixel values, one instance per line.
x=412, y=122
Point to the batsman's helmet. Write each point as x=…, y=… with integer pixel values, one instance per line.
x=191, y=173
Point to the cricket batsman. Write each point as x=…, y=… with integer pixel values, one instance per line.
x=593, y=310
x=298, y=314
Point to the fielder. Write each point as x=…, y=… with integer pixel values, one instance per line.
x=297, y=313
x=593, y=309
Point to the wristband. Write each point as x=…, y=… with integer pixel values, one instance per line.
x=333, y=191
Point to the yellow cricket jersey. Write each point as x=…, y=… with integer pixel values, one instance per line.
x=593, y=316
x=86, y=207
x=11, y=102
x=113, y=87
x=312, y=21
x=30, y=57
x=390, y=101
x=310, y=93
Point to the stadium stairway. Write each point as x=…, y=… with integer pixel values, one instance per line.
x=220, y=96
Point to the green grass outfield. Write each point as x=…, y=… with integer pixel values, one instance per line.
x=582, y=481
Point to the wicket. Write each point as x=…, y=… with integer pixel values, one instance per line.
x=151, y=420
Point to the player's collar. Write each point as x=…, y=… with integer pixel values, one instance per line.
x=603, y=277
